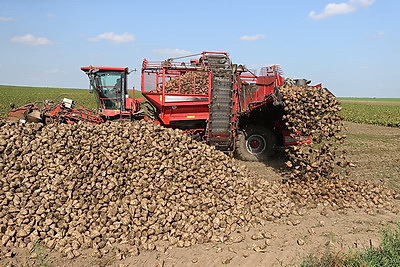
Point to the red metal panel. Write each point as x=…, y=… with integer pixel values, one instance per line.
x=175, y=106
x=266, y=80
x=105, y=68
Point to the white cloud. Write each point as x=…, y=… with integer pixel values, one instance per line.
x=333, y=9
x=29, y=39
x=378, y=35
x=6, y=19
x=249, y=38
x=55, y=71
x=51, y=16
x=114, y=38
x=171, y=52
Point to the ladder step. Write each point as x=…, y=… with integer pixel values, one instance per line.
x=216, y=99
x=223, y=91
x=219, y=113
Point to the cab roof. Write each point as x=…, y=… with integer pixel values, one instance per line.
x=105, y=68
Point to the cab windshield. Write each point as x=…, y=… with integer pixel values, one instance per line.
x=109, y=87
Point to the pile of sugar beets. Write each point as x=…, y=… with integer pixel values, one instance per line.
x=74, y=187
x=318, y=169
x=189, y=83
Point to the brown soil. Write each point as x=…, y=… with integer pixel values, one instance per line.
x=373, y=149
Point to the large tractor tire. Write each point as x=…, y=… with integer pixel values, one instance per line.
x=255, y=143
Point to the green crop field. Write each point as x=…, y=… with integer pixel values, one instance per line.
x=377, y=111
x=369, y=99
x=20, y=95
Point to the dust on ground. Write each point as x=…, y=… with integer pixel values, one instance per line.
x=287, y=241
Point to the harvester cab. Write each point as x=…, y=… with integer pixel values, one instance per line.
x=109, y=86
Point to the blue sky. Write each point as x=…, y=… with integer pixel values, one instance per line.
x=351, y=46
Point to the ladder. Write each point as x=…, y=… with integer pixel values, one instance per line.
x=220, y=126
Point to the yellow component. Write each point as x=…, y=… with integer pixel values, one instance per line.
x=116, y=110
x=190, y=117
x=160, y=97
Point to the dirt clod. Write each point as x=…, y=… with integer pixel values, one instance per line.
x=300, y=242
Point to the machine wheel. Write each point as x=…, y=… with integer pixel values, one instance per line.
x=255, y=143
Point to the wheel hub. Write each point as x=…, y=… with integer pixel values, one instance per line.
x=256, y=144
